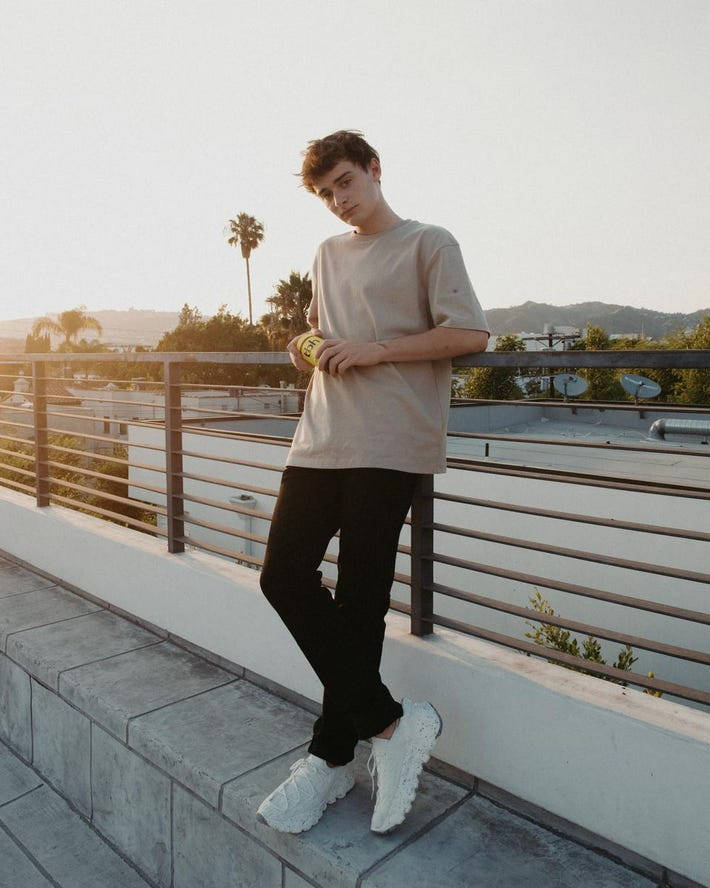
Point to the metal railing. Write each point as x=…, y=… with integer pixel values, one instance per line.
x=42, y=451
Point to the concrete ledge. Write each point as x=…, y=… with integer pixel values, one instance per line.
x=584, y=750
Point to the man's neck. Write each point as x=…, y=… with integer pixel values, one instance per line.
x=383, y=219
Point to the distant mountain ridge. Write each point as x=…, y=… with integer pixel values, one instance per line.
x=132, y=327
x=531, y=317
x=145, y=327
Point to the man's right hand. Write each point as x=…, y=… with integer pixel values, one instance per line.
x=296, y=357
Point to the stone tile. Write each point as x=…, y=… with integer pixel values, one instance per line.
x=340, y=847
x=114, y=690
x=293, y=880
x=62, y=746
x=15, y=579
x=483, y=845
x=68, y=849
x=15, y=713
x=17, y=869
x=15, y=778
x=38, y=608
x=131, y=804
x=212, y=853
x=210, y=739
x=46, y=651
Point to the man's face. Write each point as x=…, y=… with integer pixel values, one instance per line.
x=350, y=192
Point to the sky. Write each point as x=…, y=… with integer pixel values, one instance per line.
x=564, y=144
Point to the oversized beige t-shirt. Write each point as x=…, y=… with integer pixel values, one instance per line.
x=366, y=288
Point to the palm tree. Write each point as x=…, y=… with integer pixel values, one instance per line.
x=289, y=305
x=68, y=324
x=248, y=233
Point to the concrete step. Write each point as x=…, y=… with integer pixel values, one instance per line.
x=43, y=842
x=167, y=756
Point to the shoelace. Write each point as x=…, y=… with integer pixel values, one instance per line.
x=297, y=764
x=371, y=770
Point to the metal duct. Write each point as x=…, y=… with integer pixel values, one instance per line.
x=662, y=427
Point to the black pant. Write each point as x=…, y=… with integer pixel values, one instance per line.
x=341, y=636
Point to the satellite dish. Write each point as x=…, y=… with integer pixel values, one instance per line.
x=640, y=386
x=568, y=384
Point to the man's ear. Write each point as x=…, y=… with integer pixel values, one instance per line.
x=375, y=169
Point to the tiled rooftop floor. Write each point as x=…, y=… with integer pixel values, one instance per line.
x=154, y=727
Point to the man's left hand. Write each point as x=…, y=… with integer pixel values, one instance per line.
x=336, y=355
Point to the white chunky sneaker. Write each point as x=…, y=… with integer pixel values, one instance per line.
x=399, y=761
x=299, y=802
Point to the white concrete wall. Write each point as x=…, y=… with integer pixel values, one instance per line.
x=629, y=767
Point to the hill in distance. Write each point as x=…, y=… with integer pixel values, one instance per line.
x=145, y=327
x=132, y=327
x=531, y=317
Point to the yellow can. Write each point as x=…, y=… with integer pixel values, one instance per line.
x=308, y=344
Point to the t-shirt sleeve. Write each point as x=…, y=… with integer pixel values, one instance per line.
x=451, y=298
x=312, y=310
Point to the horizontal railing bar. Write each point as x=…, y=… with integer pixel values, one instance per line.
x=101, y=419
x=74, y=434
x=102, y=494
x=657, y=647
x=89, y=507
x=241, y=414
x=219, y=550
x=667, y=610
x=568, y=442
x=28, y=473
x=19, y=425
x=228, y=507
x=566, y=477
x=223, y=528
x=233, y=485
x=576, y=554
x=237, y=385
x=633, y=678
x=5, y=406
x=648, y=406
x=613, y=523
x=93, y=382
x=106, y=400
x=16, y=453
x=232, y=460
x=621, y=358
x=27, y=441
x=105, y=457
x=83, y=471
x=17, y=485
x=189, y=427
x=150, y=358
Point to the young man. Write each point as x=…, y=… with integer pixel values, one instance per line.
x=394, y=304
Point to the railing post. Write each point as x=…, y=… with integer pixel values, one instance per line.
x=422, y=571
x=173, y=456
x=39, y=401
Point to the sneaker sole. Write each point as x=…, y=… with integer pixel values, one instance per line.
x=304, y=825
x=408, y=802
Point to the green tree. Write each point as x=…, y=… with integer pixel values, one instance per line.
x=68, y=474
x=224, y=332
x=556, y=638
x=247, y=233
x=693, y=386
x=496, y=383
x=603, y=382
x=289, y=305
x=39, y=344
x=69, y=324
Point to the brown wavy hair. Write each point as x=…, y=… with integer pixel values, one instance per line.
x=322, y=155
